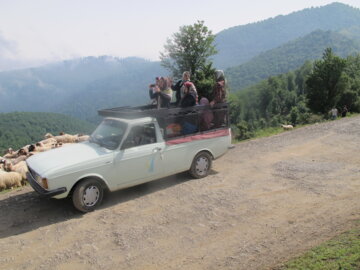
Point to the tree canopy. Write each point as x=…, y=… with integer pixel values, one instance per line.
x=326, y=83
x=189, y=49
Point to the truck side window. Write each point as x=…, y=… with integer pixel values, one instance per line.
x=140, y=135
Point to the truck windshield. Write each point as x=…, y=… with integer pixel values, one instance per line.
x=109, y=133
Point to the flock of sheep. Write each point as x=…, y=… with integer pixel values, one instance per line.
x=13, y=167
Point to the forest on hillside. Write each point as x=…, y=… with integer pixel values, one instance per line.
x=21, y=128
x=299, y=97
x=290, y=56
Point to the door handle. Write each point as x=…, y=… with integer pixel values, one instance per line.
x=157, y=149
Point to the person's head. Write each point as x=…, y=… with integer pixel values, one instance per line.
x=188, y=85
x=219, y=75
x=165, y=83
x=186, y=76
x=161, y=83
x=204, y=101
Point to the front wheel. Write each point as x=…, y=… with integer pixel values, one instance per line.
x=87, y=195
x=201, y=165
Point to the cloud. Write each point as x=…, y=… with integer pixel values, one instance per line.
x=9, y=56
x=8, y=48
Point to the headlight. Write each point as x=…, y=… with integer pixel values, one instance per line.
x=41, y=181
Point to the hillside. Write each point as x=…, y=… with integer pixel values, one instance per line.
x=21, y=128
x=290, y=56
x=239, y=44
x=78, y=87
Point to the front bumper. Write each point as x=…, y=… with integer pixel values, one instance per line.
x=43, y=192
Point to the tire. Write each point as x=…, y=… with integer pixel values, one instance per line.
x=87, y=195
x=201, y=165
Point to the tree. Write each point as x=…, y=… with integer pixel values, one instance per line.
x=326, y=83
x=188, y=50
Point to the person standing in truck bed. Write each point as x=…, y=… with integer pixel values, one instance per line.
x=161, y=92
x=218, y=96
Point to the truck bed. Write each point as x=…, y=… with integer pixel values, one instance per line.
x=176, y=121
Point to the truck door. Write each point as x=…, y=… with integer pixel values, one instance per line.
x=139, y=159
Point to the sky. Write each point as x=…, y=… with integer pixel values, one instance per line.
x=41, y=31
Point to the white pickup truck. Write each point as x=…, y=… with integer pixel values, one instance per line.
x=131, y=146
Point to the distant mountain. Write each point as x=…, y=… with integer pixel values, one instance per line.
x=290, y=56
x=21, y=128
x=78, y=87
x=239, y=44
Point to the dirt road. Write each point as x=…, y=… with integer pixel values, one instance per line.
x=265, y=201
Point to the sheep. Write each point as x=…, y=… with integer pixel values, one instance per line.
x=47, y=141
x=10, y=153
x=48, y=135
x=9, y=179
x=19, y=159
x=287, y=127
x=23, y=151
x=43, y=147
x=82, y=138
x=66, y=138
x=20, y=168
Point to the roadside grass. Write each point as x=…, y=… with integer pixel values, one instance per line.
x=267, y=132
x=340, y=253
x=12, y=189
x=270, y=131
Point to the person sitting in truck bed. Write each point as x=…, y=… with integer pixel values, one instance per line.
x=181, y=90
x=189, y=95
x=207, y=115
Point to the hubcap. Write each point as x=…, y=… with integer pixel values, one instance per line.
x=91, y=196
x=202, y=165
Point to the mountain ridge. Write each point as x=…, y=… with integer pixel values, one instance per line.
x=239, y=44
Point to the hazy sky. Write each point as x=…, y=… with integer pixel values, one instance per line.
x=33, y=30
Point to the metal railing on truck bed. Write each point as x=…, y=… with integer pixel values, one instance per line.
x=176, y=121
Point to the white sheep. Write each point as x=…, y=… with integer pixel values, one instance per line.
x=10, y=153
x=48, y=135
x=82, y=138
x=19, y=159
x=66, y=138
x=39, y=147
x=287, y=127
x=20, y=168
x=48, y=141
x=9, y=179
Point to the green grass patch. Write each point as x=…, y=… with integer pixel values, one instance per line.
x=340, y=253
x=260, y=133
x=12, y=189
x=266, y=132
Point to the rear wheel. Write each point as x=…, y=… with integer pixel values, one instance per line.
x=87, y=195
x=201, y=165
